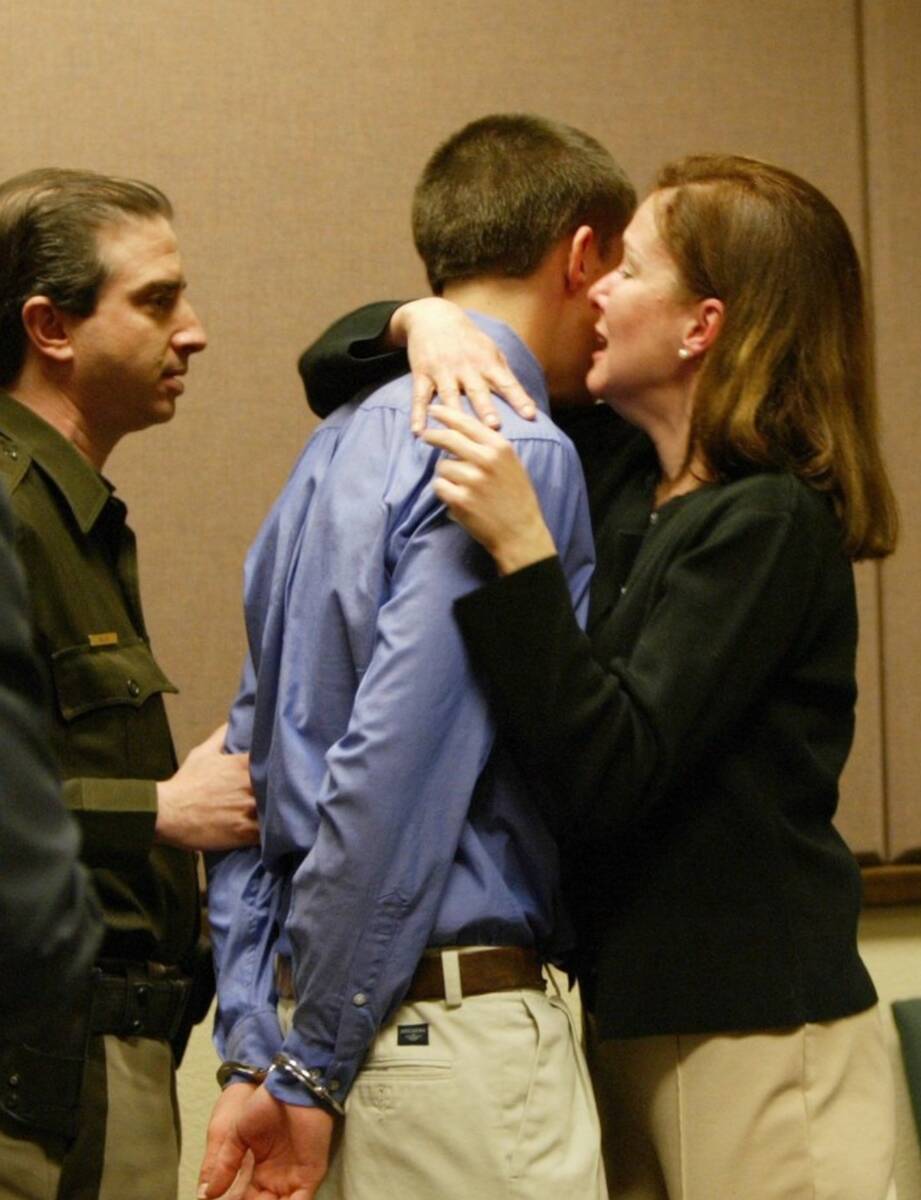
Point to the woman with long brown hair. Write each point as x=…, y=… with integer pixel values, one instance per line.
x=687, y=749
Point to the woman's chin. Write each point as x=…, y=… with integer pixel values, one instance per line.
x=594, y=380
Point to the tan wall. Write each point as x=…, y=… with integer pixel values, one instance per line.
x=893, y=88
x=289, y=135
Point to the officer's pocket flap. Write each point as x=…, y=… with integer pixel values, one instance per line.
x=90, y=677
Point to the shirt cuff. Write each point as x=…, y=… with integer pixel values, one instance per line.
x=337, y=1074
x=287, y=1089
x=255, y=1039
x=117, y=817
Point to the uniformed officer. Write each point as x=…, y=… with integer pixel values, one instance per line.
x=49, y=923
x=96, y=334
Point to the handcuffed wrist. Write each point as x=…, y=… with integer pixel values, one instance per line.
x=240, y=1072
x=310, y=1079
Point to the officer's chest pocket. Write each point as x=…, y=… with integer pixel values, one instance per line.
x=93, y=677
x=102, y=696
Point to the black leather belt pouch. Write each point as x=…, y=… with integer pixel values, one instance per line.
x=41, y=1079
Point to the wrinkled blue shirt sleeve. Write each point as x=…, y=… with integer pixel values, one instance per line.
x=243, y=900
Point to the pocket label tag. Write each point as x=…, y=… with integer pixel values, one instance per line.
x=412, y=1035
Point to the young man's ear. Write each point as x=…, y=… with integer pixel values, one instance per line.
x=589, y=259
x=47, y=328
x=583, y=253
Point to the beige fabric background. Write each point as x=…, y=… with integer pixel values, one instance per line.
x=289, y=134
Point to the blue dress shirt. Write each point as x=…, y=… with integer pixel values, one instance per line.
x=391, y=818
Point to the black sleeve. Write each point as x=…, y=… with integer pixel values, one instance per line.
x=49, y=920
x=609, y=736
x=347, y=357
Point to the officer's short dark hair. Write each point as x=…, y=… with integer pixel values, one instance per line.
x=498, y=194
x=49, y=219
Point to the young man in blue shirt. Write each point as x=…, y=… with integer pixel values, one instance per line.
x=381, y=952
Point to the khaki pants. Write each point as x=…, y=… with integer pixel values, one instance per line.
x=498, y=1104
x=127, y=1146
x=799, y=1114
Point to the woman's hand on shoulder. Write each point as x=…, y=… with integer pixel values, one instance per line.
x=450, y=357
x=487, y=490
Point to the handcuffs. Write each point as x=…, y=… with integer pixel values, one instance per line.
x=308, y=1077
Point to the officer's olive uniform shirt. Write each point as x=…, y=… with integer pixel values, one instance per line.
x=108, y=720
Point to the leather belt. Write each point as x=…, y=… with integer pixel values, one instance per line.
x=496, y=969
x=139, y=1000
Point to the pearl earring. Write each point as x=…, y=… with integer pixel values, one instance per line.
x=684, y=352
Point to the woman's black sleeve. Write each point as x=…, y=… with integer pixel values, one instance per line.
x=608, y=736
x=348, y=357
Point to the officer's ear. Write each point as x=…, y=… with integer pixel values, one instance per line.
x=48, y=328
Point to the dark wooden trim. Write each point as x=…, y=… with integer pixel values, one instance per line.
x=891, y=885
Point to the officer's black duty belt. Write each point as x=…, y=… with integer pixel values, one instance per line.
x=138, y=1000
x=41, y=1080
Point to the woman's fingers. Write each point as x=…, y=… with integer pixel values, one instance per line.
x=457, y=445
x=423, y=391
x=448, y=389
x=462, y=474
x=450, y=495
x=449, y=392
x=451, y=358
x=462, y=422
x=486, y=489
x=505, y=383
x=477, y=391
